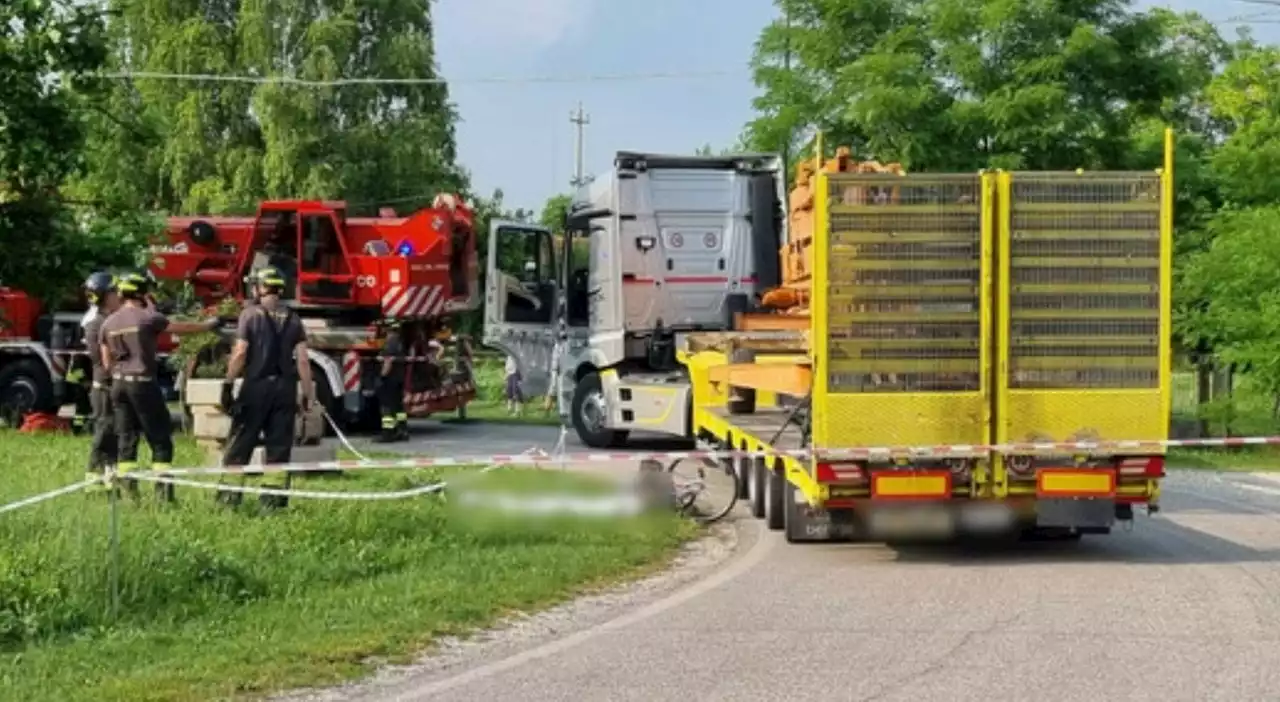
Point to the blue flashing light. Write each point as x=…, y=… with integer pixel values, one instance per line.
x=404, y=248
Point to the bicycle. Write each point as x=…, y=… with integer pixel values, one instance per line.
x=714, y=479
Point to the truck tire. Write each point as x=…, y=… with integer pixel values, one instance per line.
x=25, y=386
x=741, y=400
x=790, y=515
x=588, y=412
x=774, y=504
x=755, y=486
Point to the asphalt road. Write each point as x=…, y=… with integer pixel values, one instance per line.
x=1186, y=606
x=473, y=438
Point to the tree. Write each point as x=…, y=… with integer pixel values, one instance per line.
x=47, y=51
x=1238, y=278
x=1226, y=277
x=554, y=212
x=183, y=146
x=966, y=84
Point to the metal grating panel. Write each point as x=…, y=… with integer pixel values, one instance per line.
x=1084, y=299
x=904, y=274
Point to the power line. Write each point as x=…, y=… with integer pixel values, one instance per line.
x=342, y=82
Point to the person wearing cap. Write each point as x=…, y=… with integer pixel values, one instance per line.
x=270, y=353
x=128, y=341
x=103, y=300
x=395, y=421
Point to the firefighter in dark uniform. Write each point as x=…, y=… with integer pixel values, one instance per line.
x=271, y=352
x=101, y=289
x=395, y=421
x=128, y=341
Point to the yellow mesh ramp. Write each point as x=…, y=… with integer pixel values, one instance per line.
x=1081, y=278
x=901, y=309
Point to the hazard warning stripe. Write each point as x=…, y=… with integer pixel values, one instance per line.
x=413, y=300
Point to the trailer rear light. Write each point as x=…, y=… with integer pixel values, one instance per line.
x=1145, y=466
x=839, y=473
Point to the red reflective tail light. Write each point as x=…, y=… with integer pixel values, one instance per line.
x=1145, y=466
x=839, y=473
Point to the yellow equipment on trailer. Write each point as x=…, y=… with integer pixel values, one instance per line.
x=950, y=334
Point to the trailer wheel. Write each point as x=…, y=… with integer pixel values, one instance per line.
x=755, y=486
x=790, y=515
x=741, y=400
x=774, y=504
x=743, y=469
x=25, y=386
x=590, y=414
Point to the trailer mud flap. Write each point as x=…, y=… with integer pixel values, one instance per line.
x=1073, y=512
x=805, y=523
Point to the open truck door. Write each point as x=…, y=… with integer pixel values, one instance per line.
x=522, y=292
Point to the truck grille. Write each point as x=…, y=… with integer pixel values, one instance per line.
x=904, y=279
x=1084, y=281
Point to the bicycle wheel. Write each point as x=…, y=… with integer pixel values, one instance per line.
x=706, y=490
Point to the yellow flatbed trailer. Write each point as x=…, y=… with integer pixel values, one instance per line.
x=956, y=328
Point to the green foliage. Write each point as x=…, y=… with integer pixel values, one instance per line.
x=554, y=211
x=187, y=147
x=47, y=52
x=1238, y=277
x=209, y=349
x=962, y=85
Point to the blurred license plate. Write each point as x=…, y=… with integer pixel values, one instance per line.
x=987, y=517
x=926, y=521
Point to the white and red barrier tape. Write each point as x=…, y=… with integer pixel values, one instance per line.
x=537, y=457
x=42, y=497
x=442, y=357
x=540, y=458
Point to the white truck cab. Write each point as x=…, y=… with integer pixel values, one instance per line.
x=660, y=246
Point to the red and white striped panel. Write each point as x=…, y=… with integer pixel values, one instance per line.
x=414, y=300
x=350, y=371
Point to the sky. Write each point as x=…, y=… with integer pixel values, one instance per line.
x=518, y=137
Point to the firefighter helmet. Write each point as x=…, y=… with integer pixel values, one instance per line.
x=98, y=285
x=135, y=283
x=268, y=277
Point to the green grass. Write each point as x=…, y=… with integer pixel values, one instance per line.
x=1248, y=412
x=490, y=405
x=496, y=413
x=1246, y=459
x=218, y=604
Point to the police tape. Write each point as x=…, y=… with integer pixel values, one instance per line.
x=545, y=505
x=539, y=457
x=429, y=489
x=46, y=496
x=443, y=357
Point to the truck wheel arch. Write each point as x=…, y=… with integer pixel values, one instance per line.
x=31, y=367
x=329, y=370
x=583, y=370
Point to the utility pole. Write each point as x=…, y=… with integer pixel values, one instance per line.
x=580, y=120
